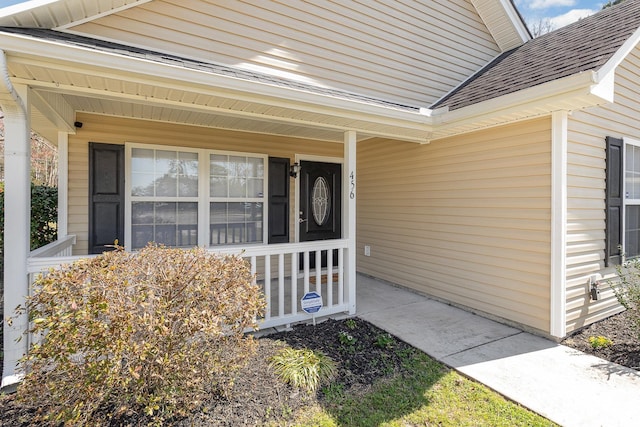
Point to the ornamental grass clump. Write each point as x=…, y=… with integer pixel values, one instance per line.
x=303, y=367
x=151, y=334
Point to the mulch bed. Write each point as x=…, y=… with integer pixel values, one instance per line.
x=625, y=349
x=260, y=397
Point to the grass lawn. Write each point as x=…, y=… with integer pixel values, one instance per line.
x=412, y=390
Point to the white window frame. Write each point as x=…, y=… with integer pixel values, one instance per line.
x=203, y=199
x=626, y=201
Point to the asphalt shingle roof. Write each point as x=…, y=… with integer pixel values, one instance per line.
x=213, y=68
x=582, y=46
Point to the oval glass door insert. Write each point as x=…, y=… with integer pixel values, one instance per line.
x=320, y=201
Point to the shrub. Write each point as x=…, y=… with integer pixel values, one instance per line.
x=627, y=290
x=156, y=332
x=44, y=217
x=600, y=342
x=303, y=367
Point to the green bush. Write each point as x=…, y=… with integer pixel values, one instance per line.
x=44, y=217
x=156, y=332
x=627, y=290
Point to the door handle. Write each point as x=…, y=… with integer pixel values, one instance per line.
x=301, y=220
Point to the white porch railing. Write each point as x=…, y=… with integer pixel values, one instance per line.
x=282, y=270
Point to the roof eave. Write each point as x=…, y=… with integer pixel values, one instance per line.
x=251, y=91
x=575, y=92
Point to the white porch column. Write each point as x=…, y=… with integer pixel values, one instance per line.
x=17, y=216
x=559, y=141
x=63, y=184
x=349, y=218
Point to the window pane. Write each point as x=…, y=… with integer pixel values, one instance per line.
x=632, y=231
x=632, y=172
x=142, y=213
x=219, y=165
x=142, y=184
x=166, y=185
x=218, y=187
x=256, y=167
x=165, y=213
x=255, y=187
x=168, y=223
x=141, y=235
x=142, y=160
x=235, y=223
x=166, y=162
x=188, y=175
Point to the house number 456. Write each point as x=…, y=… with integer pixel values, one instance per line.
x=352, y=185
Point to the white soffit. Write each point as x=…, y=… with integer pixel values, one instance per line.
x=61, y=13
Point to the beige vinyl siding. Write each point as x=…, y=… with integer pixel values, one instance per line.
x=97, y=128
x=466, y=219
x=586, y=193
x=410, y=52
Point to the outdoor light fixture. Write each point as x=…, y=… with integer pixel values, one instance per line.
x=294, y=169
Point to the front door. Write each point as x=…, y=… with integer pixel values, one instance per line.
x=320, y=215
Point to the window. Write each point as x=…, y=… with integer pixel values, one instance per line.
x=236, y=199
x=622, y=200
x=181, y=197
x=164, y=197
x=631, y=242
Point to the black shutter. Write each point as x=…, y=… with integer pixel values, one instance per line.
x=106, y=196
x=278, y=200
x=614, y=201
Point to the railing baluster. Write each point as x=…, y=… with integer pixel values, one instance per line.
x=253, y=265
x=306, y=271
x=329, y=277
x=340, y=276
x=319, y=272
x=267, y=286
x=281, y=285
x=294, y=282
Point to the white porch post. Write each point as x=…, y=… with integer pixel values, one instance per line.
x=17, y=203
x=63, y=184
x=349, y=218
x=558, y=303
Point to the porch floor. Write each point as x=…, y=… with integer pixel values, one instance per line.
x=560, y=383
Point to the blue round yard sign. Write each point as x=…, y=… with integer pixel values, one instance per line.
x=311, y=302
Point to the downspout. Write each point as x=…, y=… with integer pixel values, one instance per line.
x=16, y=225
x=6, y=81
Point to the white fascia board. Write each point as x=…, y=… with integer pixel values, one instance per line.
x=542, y=97
x=610, y=66
x=123, y=67
x=24, y=7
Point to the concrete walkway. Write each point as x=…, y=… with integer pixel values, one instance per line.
x=562, y=384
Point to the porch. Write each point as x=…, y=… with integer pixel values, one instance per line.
x=76, y=91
